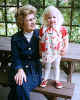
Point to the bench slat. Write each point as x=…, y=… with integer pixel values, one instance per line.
x=65, y=92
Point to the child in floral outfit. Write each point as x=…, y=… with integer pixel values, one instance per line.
x=53, y=42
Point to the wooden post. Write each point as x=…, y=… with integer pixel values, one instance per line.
x=69, y=76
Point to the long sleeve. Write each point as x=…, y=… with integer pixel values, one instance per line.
x=65, y=37
x=42, y=42
x=15, y=54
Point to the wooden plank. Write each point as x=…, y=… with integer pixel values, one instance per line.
x=73, y=53
x=65, y=92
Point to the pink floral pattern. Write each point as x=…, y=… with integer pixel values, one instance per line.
x=52, y=42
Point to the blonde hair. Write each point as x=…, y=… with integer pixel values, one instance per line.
x=57, y=13
x=22, y=12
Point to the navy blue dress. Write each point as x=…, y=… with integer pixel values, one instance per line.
x=25, y=55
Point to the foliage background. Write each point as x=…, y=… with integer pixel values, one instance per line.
x=69, y=8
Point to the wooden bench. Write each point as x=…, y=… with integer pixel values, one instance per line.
x=50, y=91
x=72, y=55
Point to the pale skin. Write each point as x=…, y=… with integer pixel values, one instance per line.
x=29, y=26
x=63, y=51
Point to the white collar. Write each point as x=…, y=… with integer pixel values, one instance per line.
x=28, y=35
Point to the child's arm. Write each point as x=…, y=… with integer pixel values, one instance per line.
x=65, y=41
x=64, y=49
x=41, y=43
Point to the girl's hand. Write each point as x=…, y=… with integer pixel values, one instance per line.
x=62, y=52
x=20, y=76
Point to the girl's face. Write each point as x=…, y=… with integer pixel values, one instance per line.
x=51, y=20
x=29, y=23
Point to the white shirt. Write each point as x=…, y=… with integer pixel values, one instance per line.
x=28, y=36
